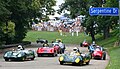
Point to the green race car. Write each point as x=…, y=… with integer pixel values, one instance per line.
x=19, y=55
x=78, y=59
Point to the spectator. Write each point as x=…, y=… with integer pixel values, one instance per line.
x=62, y=47
x=72, y=31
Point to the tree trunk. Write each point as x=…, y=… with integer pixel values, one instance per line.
x=92, y=34
x=106, y=32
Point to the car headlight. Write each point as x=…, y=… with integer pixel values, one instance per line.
x=61, y=58
x=77, y=60
x=5, y=55
x=19, y=55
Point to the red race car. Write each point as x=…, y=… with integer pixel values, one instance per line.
x=49, y=50
x=84, y=44
x=99, y=53
x=57, y=47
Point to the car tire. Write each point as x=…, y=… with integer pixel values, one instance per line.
x=23, y=59
x=6, y=59
x=61, y=63
x=60, y=51
x=104, y=56
x=54, y=54
x=74, y=64
x=39, y=55
x=37, y=41
x=32, y=58
x=81, y=44
x=87, y=63
x=80, y=63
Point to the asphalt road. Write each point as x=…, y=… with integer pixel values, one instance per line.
x=51, y=62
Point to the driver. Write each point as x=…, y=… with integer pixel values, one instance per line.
x=75, y=51
x=45, y=45
x=93, y=44
x=20, y=47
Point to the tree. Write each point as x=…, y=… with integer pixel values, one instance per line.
x=21, y=16
x=81, y=7
x=66, y=15
x=20, y=12
x=74, y=6
x=105, y=23
x=4, y=15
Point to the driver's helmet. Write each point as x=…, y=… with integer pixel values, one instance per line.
x=20, y=47
x=93, y=43
x=45, y=45
x=58, y=40
x=75, y=49
x=13, y=49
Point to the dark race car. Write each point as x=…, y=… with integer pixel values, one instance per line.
x=77, y=59
x=41, y=41
x=99, y=53
x=48, y=50
x=19, y=55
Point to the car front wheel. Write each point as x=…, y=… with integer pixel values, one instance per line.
x=6, y=59
x=61, y=63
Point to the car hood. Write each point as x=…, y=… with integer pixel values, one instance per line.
x=46, y=48
x=71, y=58
x=13, y=53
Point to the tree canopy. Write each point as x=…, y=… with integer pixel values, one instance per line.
x=16, y=14
x=81, y=7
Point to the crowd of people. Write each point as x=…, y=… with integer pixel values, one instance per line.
x=60, y=26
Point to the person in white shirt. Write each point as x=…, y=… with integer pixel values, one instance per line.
x=62, y=47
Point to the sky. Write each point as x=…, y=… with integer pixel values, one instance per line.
x=58, y=2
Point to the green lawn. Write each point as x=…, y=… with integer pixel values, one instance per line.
x=68, y=39
x=114, y=62
x=107, y=43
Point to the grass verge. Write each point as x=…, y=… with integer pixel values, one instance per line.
x=114, y=62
